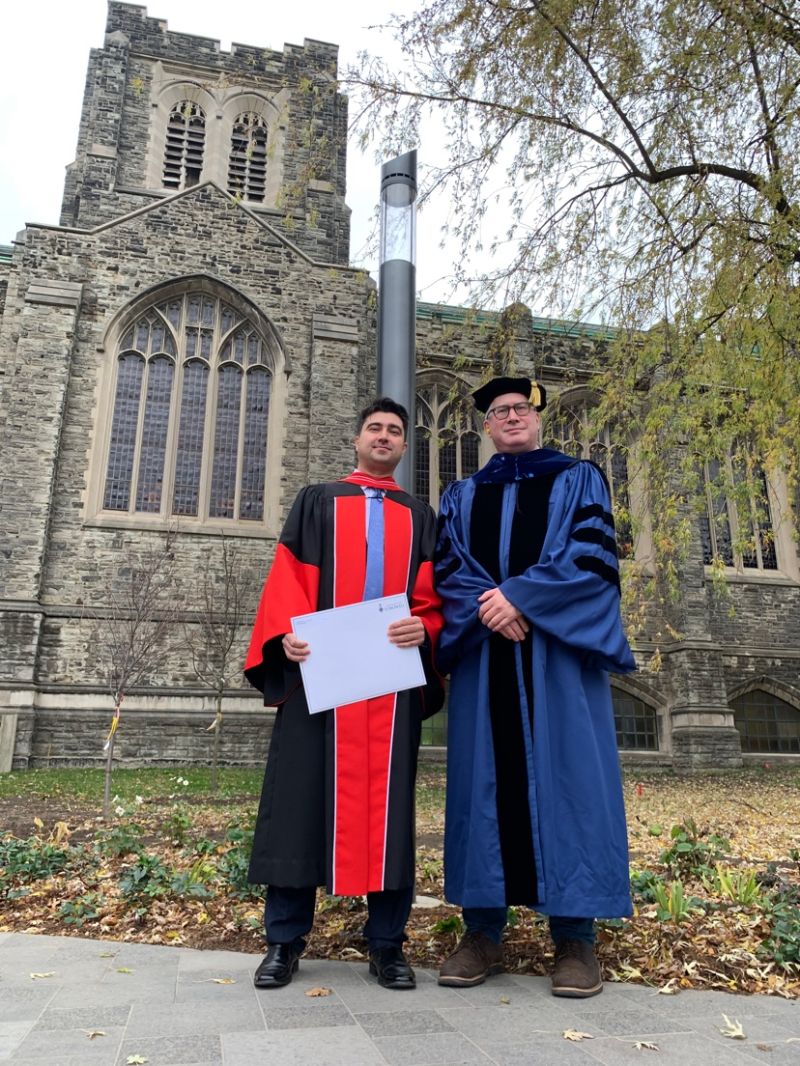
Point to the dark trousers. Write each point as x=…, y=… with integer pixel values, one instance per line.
x=492, y=920
x=289, y=915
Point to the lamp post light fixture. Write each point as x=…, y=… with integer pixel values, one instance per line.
x=397, y=296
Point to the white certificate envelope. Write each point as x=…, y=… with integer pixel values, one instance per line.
x=351, y=658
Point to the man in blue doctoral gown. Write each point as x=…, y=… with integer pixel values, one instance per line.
x=527, y=570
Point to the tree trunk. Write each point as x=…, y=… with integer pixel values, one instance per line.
x=109, y=766
x=216, y=747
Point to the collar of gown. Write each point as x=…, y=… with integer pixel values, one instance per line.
x=516, y=466
x=358, y=477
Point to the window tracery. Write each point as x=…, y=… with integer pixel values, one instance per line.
x=191, y=412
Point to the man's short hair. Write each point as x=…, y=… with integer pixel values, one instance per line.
x=385, y=405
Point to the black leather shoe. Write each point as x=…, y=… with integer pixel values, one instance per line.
x=277, y=967
x=391, y=969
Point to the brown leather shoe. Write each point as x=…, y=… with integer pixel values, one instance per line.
x=475, y=959
x=577, y=971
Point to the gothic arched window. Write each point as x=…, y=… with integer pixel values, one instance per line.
x=184, y=146
x=766, y=723
x=447, y=443
x=736, y=524
x=191, y=408
x=570, y=428
x=247, y=164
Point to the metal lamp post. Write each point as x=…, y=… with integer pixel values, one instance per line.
x=396, y=295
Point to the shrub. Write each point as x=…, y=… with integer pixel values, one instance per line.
x=23, y=861
x=690, y=852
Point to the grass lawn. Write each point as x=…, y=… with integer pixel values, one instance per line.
x=715, y=873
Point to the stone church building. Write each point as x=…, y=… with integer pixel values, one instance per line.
x=189, y=346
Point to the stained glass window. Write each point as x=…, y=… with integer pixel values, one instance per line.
x=257, y=385
x=186, y=496
x=191, y=370
x=571, y=429
x=130, y=372
x=447, y=444
x=736, y=525
x=154, y=434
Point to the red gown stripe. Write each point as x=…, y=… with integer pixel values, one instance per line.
x=364, y=730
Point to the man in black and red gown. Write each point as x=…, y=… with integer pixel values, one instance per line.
x=337, y=805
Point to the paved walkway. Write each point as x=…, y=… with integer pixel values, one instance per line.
x=71, y=1002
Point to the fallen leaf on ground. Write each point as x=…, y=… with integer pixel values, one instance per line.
x=49, y=973
x=92, y=1033
x=124, y=969
x=136, y=1060
x=223, y=981
x=765, y=1047
x=645, y=1045
x=733, y=1029
x=671, y=988
x=318, y=991
x=504, y=1000
x=574, y=1034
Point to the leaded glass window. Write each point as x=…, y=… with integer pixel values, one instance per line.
x=184, y=146
x=636, y=723
x=571, y=429
x=736, y=527
x=447, y=444
x=766, y=723
x=247, y=165
x=434, y=731
x=191, y=411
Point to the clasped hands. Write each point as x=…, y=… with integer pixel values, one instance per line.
x=501, y=616
x=405, y=633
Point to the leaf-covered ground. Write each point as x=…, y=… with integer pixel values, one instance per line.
x=715, y=863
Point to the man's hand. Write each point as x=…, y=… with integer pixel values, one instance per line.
x=515, y=631
x=296, y=651
x=406, y=632
x=501, y=616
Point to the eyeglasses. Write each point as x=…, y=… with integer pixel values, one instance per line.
x=504, y=410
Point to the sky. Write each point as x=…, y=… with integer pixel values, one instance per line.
x=42, y=74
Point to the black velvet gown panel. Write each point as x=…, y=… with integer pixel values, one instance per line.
x=528, y=528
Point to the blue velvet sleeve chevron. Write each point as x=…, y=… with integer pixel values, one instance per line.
x=459, y=578
x=572, y=593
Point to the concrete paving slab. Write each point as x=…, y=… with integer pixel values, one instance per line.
x=432, y=1049
x=172, y=1010
x=150, y=1020
x=174, y=1050
x=318, y=1014
x=675, y=1049
x=543, y=1049
x=98, y=1017
x=52, y=1046
x=11, y=1036
x=26, y=1003
x=343, y=1046
x=199, y=986
x=402, y=1023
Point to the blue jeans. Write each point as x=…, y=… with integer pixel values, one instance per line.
x=492, y=920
